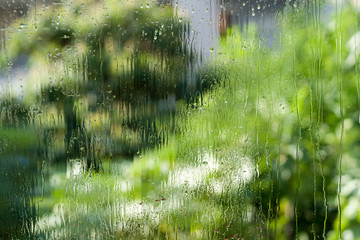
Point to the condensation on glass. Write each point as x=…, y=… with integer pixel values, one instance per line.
x=187, y=119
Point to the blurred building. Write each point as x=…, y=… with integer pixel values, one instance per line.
x=209, y=19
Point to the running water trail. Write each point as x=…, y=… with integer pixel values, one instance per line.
x=339, y=32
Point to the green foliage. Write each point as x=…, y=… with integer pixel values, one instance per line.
x=251, y=151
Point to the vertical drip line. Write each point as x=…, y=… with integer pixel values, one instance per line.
x=300, y=127
x=320, y=90
x=268, y=157
x=356, y=60
x=312, y=123
x=315, y=184
x=298, y=182
x=312, y=130
x=277, y=203
x=258, y=158
x=323, y=188
x=340, y=86
x=257, y=107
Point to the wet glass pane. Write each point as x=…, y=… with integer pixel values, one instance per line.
x=179, y=119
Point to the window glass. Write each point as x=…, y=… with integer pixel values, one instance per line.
x=179, y=119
